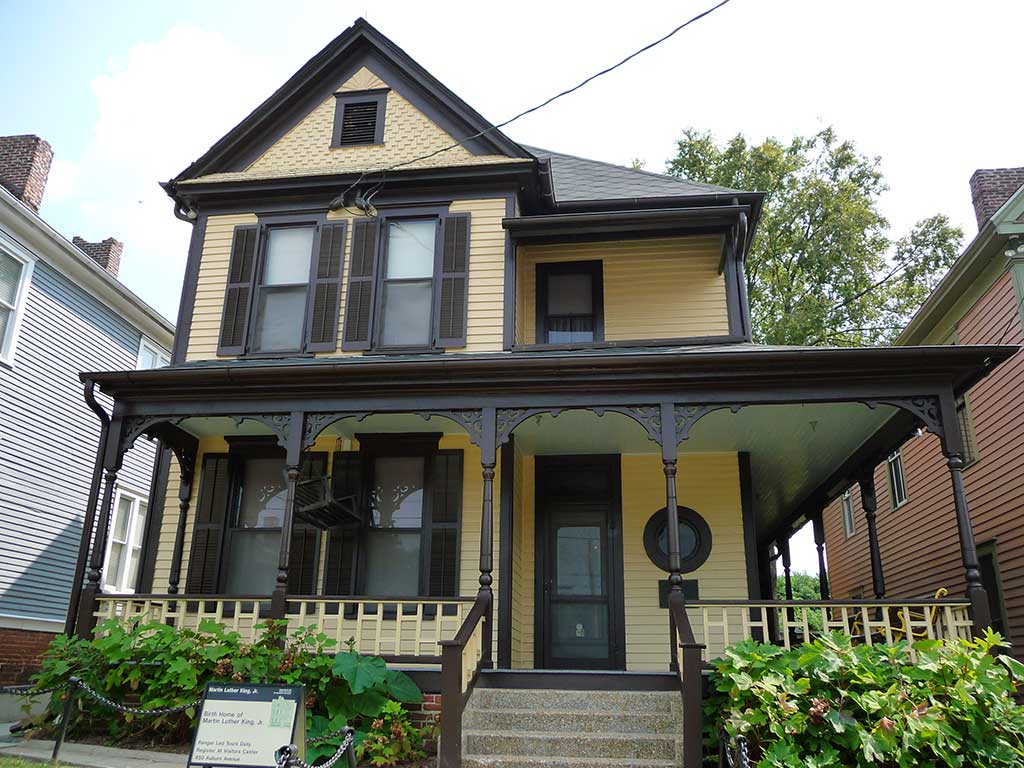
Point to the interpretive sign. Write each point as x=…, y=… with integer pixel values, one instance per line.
x=243, y=725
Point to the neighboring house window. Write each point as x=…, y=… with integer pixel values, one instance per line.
x=897, y=484
x=849, y=520
x=124, y=548
x=359, y=118
x=570, y=303
x=963, y=416
x=15, y=275
x=408, y=282
x=151, y=356
x=992, y=580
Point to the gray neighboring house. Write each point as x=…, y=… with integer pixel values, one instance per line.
x=62, y=311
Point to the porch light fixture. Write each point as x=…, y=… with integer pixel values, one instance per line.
x=1014, y=248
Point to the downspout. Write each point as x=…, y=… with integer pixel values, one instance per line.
x=89, y=392
x=741, y=276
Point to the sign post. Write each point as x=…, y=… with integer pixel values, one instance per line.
x=242, y=725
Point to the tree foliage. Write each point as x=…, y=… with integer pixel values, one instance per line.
x=824, y=268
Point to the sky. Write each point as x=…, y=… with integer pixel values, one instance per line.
x=129, y=93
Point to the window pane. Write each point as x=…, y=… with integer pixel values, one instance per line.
x=406, y=314
x=288, y=256
x=147, y=359
x=279, y=318
x=5, y=316
x=580, y=631
x=115, y=568
x=263, y=494
x=688, y=540
x=397, y=500
x=570, y=294
x=140, y=524
x=252, y=564
x=411, y=249
x=580, y=565
x=10, y=275
x=570, y=329
x=133, y=568
x=392, y=564
x=121, y=518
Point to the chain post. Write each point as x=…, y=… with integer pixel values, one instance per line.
x=65, y=718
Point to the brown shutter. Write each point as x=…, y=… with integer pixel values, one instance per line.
x=238, y=296
x=454, y=282
x=304, y=554
x=325, y=293
x=446, y=503
x=346, y=479
x=208, y=530
x=358, y=328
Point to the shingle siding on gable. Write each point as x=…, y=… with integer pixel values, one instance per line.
x=48, y=440
x=408, y=133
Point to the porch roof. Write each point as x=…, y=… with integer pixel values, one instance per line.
x=736, y=368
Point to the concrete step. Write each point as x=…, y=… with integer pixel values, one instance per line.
x=490, y=761
x=568, y=721
x=634, y=746
x=647, y=702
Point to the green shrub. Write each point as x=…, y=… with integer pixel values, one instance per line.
x=832, y=703
x=152, y=666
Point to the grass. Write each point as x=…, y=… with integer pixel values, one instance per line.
x=17, y=762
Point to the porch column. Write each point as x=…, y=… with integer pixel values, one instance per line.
x=787, y=566
x=818, y=523
x=184, y=497
x=113, y=456
x=293, y=457
x=952, y=449
x=869, y=502
x=90, y=508
x=669, y=458
x=488, y=460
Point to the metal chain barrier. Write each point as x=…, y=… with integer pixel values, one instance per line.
x=287, y=757
x=733, y=755
x=111, y=704
x=28, y=690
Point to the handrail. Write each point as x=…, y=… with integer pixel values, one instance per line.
x=688, y=653
x=887, y=603
x=291, y=598
x=458, y=677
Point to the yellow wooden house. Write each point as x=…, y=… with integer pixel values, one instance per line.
x=494, y=412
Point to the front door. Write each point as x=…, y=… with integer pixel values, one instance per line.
x=580, y=621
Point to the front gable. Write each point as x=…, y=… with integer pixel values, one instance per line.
x=291, y=133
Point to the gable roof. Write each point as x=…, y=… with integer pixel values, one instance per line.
x=318, y=78
x=577, y=179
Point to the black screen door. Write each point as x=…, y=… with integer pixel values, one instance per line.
x=579, y=552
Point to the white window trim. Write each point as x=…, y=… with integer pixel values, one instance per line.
x=13, y=249
x=847, y=500
x=146, y=343
x=896, y=456
x=137, y=499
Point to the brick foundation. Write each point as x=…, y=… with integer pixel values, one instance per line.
x=20, y=654
x=427, y=712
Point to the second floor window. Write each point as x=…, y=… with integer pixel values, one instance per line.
x=408, y=283
x=570, y=303
x=897, y=483
x=15, y=274
x=281, y=290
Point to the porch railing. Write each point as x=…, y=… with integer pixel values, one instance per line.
x=399, y=629
x=721, y=623
x=462, y=658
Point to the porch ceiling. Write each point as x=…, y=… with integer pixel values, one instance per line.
x=794, y=449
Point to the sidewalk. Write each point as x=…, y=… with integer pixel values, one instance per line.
x=91, y=755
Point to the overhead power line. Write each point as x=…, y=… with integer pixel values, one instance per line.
x=339, y=201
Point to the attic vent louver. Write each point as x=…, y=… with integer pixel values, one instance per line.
x=359, y=119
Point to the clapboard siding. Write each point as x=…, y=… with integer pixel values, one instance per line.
x=48, y=440
x=657, y=288
x=918, y=542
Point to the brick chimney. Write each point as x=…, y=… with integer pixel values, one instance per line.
x=106, y=253
x=991, y=187
x=24, y=166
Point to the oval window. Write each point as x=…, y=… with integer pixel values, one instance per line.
x=694, y=539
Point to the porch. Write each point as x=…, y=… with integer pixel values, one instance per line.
x=560, y=552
